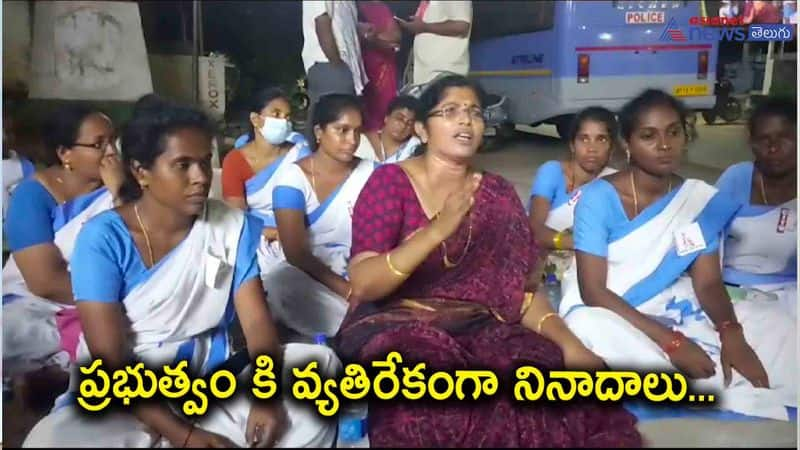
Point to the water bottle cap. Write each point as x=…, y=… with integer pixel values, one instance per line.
x=320, y=339
x=551, y=278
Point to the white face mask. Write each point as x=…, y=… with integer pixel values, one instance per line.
x=276, y=130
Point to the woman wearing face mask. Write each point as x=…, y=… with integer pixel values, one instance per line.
x=760, y=251
x=46, y=212
x=557, y=184
x=396, y=142
x=313, y=201
x=246, y=171
x=646, y=292
x=274, y=139
x=159, y=281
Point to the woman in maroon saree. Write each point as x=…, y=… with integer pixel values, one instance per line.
x=380, y=61
x=451, y=292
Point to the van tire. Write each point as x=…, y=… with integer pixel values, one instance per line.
x=709, y=116
x=731, y=111
x=506, y=131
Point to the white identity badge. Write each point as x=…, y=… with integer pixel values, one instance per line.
x=215, y=270
x=689, y=239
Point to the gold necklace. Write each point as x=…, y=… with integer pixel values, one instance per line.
x=571, y=186
x=636, y=197
x=314, y=178
x=146, y=236
x=449, y=264
x=383, y=150
x=763, y=189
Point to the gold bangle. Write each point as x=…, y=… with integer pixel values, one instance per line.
x=349, y=293
x=541, y=321
x=557, y=240
x=393, y=268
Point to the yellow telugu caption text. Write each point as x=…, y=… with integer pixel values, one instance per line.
x=530, y=385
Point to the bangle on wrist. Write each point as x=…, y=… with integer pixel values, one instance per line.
x=541, y=321
x=675, y=342
x=729, y=325
x=557, y=240
x=393, y=268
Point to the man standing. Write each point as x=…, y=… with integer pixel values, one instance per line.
x=441, y=43
x=331, y=50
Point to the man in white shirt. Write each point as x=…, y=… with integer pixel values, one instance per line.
x=441, y=43
x=331, y=50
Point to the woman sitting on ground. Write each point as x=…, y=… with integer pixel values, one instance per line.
x=247, y=171
x=313, y=202
x=557, y=185
x=445, y=271
x=396, y=142
x=270, y=151
x=46, y=212
x=760, y=249
x=647, y=290
x=159, y=280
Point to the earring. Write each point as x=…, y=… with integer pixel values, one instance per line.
x=628, y=154
x=143, y=184
x=68, y=166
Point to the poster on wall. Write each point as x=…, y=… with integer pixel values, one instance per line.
x=89, y=50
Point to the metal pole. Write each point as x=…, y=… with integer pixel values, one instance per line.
x=768, y=68
x=195, y=54
x=200, y=28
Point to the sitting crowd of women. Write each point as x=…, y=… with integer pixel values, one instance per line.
x=415, y=250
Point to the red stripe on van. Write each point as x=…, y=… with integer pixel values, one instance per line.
x=665, y=47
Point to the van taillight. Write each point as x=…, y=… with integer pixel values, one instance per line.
x=702, y=65
x=583, y=68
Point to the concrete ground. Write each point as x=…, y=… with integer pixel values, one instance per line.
x=716, y=148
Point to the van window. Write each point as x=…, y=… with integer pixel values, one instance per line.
x=493, y=18
x=645, y=5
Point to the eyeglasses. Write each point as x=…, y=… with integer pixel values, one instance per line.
x=453, y=113
x=98, y=145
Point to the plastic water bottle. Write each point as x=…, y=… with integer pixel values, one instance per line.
x=353, y=426
x=553, y=287
x=352, y=432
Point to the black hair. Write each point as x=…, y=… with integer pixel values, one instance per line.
x=434, y=93
x=144, y=138
x=773, y=107
x=595, y=114
x=329, y=109
x=61, y=128
x=629, y=115
x=260, y=100
x=404, y=102
x=146, y=103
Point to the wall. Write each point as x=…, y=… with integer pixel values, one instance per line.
x=172, y=76
x=16, y=43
